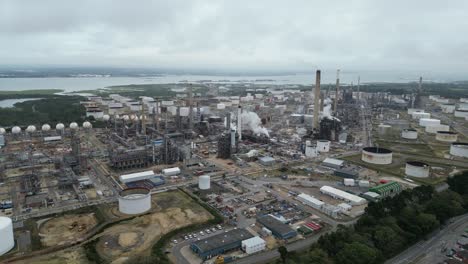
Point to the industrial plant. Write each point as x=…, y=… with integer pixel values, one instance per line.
x=272, y=164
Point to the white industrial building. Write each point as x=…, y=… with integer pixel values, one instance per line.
x=171, y=171
x=375, y=155
x=333, y=163
x=409, y=134
x=459, y=149
x=134, y=201
x=310, y=201
x=138, y=176
x=417, y=169
x=339, y=194
x=7, y=241
x=253, y=245
x=323, y=145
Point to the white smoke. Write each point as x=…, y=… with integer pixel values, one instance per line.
x=251, y=121
x=327, y=110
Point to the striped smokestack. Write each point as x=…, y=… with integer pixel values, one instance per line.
x=316, y=100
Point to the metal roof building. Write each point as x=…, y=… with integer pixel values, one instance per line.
x=387, y=189
x=337, y=193
x=218, y=244
x=278, y=229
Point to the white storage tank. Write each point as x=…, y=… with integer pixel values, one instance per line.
x=204, y=182
x=375, y=155
x=462, y=112
x=384, y=129
x=448, y=108
x=31, y=129
x=184, y=111
x=459, y=149
x=7, y=241
x=428, y=122
x=348, y=182
x=446, y=136
x=134, y=201
x=16, y=130
x=417, y=169
x=60, y=126
x=435, y=128
x=323, y=145
x=419, y=115
x=171, y=171
x=409, y=133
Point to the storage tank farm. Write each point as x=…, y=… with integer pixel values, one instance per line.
x=134, y=200
x=417, y=169
x=7, y=241
x=375, y=155
x=459, y=149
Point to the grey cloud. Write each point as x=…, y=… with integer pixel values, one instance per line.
x=266, y=34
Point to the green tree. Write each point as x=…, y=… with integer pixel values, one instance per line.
x=283, y=253
x=357, y=253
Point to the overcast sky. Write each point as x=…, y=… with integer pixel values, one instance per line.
x=250, y=34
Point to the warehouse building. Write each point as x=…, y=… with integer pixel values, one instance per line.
x=342, y=195
x=333, y=163
x=266, y=161
x=387, y=189
x=221, y=243
x=139, y=176
x=253, y=245
x=278, y=229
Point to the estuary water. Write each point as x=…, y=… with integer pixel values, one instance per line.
x=74, y=84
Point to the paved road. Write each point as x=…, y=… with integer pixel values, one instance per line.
x=417, y=250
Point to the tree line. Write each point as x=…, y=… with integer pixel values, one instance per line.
x=389, y=226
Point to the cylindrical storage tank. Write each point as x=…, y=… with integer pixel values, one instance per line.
x=16, y=130
x=323, y=145
x=221, y=106
x=434, y=129
x=413, y=110
x=6, y=233
x=383, y=129
x=134, y=200
x=184, y=111
x=462, y=112
x=417, y=169
x=419, y=115
x=459, y=149
x=448, y=108
x=204, y=182
x=446, y=136
x=409, y=134
x=376, y=155
x=428, y=122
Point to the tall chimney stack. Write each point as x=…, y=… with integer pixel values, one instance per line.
x=239, y=122
x=335, y=105
x=316, y=100
x=358, y=87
